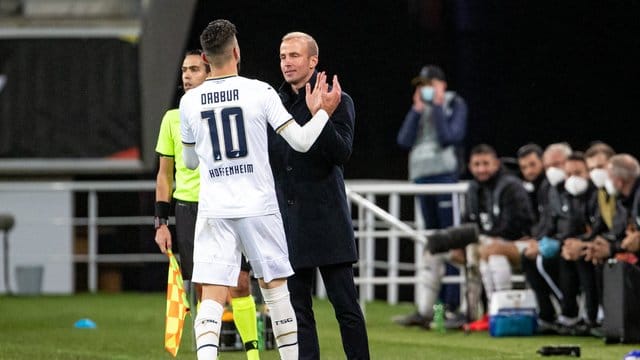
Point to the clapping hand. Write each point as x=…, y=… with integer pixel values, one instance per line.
x=597, y=250
x=320, y=97
x=631, y=242
x=573, y=249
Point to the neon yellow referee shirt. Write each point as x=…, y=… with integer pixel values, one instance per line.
x=170, y=145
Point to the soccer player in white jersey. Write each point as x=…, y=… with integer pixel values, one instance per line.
x=223, y=127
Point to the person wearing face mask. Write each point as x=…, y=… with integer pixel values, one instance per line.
x=498, y=203
x=434, y=130
x=597, y=157
x=573, y=212
x=624, y=182
x=541, y=272
x=554, y=158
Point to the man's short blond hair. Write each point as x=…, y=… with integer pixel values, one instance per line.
x=312, y=45
x=599, y=148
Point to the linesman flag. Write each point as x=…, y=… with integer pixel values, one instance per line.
x=177, y=307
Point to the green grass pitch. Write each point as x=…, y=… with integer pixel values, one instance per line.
x=131, y=326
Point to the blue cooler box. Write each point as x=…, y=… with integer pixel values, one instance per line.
x=513, y=313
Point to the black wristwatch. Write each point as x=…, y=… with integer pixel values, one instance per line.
x=158, y=221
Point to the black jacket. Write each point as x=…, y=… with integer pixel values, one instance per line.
x=627, y=216
x=310, y=186
x=538, y=199
x=571, y=216
x=500, y=206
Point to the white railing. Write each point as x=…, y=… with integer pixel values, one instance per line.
x=364, y=194
x=94, y=220
x=371, y=222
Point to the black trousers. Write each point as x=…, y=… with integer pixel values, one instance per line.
x=576, y=276
x=341, y=291
x=186, y=214
x=542, y=276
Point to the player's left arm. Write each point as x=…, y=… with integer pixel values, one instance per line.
x=321, y=100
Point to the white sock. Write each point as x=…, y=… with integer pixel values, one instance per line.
x=430, y=281
x=500, y=271
x=207, y=329
x=283, y=320
x=487, y=279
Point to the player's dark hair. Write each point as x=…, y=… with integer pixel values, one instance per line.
x=530, y=148
x=216, y=38
x=198, y=52
x=483, y=149
x=577, y=156
x=193, y=52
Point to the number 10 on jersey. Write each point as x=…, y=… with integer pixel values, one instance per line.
x=234, y=139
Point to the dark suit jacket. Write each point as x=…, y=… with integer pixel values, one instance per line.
x=310, y=186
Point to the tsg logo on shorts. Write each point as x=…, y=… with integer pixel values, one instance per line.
x=284, y=321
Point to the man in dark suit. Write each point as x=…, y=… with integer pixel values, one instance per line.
x=312, y=199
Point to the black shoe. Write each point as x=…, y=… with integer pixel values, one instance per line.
x=415, y=319
x=581, y=328
x=597, y=332
x=562, y=329
x=547, y=328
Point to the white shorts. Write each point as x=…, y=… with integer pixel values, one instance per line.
x=218, y=244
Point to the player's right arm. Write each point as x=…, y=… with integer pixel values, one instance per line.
x=301, y=138
x=189, y=155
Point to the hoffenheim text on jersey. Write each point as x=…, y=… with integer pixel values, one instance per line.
x=231, y=170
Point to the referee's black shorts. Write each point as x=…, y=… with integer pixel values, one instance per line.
x=186, y=214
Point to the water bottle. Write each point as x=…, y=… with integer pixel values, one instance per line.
x=438, y=317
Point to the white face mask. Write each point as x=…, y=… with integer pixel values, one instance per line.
x=598, y=176
x=576, y=185
x=611, y=190
x=555, y=175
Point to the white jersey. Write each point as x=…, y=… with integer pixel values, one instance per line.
x=226, y=118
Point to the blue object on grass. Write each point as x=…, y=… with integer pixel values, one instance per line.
x=85, y=324
x=632, y=355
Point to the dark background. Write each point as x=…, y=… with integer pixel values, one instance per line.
x=529, y=70
x=68, y=111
